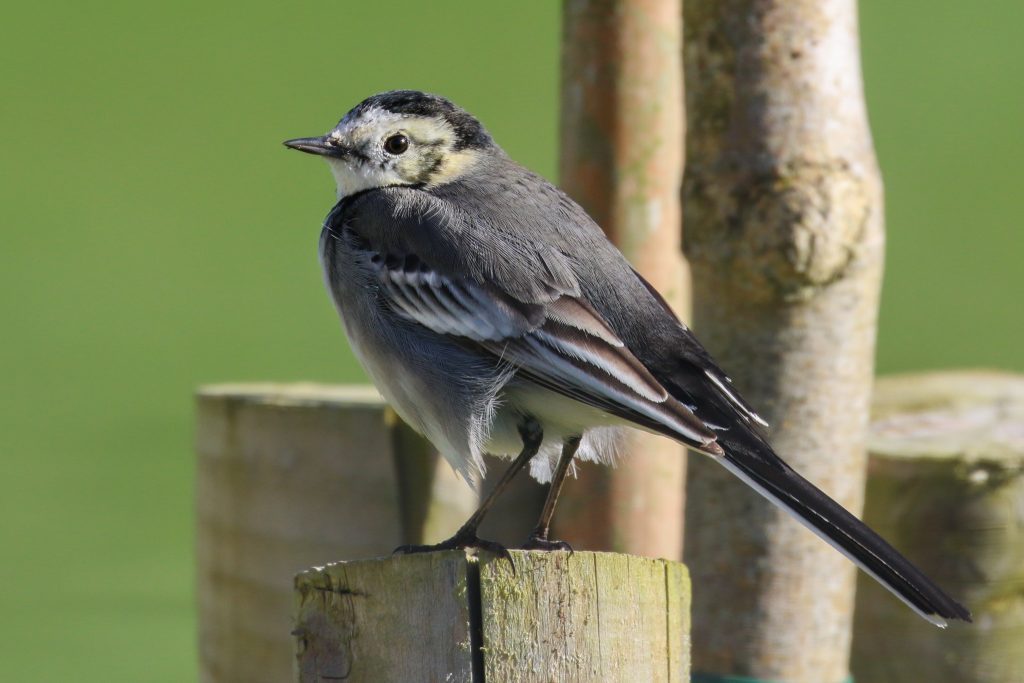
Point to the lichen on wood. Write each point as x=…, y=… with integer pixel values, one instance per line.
x=455, y=616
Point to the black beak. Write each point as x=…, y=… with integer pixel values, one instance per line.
x=321, y=145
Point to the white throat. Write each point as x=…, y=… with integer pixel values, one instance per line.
x=350, y=180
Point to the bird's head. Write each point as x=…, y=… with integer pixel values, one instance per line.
x=402, y=137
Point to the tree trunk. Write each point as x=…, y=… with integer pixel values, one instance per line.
x=783, y=208
x=622, y=135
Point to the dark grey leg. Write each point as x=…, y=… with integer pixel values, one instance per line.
x=539, y=538
x=466, y=536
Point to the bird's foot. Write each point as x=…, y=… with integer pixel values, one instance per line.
x=462, y=540
x=536, y=542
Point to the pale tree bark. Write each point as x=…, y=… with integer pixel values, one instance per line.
x=622, y=135
x=784, y=233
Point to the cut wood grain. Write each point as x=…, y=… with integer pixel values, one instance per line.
x=946, y=485
x=294, y=475
x=461, y=618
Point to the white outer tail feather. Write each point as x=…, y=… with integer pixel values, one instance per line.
x=934, y=619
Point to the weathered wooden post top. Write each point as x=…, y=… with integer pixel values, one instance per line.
x=286, y=477
x=946, y=482
x=461, y=618
x=289, y=475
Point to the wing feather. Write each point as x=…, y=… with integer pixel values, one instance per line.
x=562, y=344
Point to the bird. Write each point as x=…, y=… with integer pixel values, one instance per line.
x=494, y=316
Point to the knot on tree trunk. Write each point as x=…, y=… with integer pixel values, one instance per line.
x=783, y=233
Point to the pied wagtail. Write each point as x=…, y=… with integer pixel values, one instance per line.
x=495, y=317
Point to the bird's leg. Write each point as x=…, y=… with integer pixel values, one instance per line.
x=539, y=538
x=466, y=537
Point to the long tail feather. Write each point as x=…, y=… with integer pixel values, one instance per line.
x=775, y=480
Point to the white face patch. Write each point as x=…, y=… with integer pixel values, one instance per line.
x=370, y=166
x=351, y=176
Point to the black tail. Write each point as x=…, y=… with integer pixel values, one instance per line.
x=778, y=482
x=692, y=376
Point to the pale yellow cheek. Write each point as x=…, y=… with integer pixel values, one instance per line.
x=409, y=168
x=456, y=165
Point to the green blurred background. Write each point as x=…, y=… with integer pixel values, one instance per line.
x=156, y=236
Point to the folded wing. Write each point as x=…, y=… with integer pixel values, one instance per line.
x=562, y=344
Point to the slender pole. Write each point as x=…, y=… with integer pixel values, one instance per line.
x=783, y=208
x=622, y=135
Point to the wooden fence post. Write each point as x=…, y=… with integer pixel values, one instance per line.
x=458, y=618
x=289, y=476
x=783, y=213
x=621, y=159
x=946, y=484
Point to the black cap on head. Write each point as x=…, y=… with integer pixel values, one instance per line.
x=468, y=131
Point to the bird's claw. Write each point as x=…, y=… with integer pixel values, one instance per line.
x=537, y=543
x=463, y=540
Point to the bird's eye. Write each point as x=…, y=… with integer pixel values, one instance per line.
x=396, y=144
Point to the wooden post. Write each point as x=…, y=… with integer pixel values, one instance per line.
x=289, y=476
x=460, y=618
x=621, y=159
x=946, y=484
x=783, y=215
